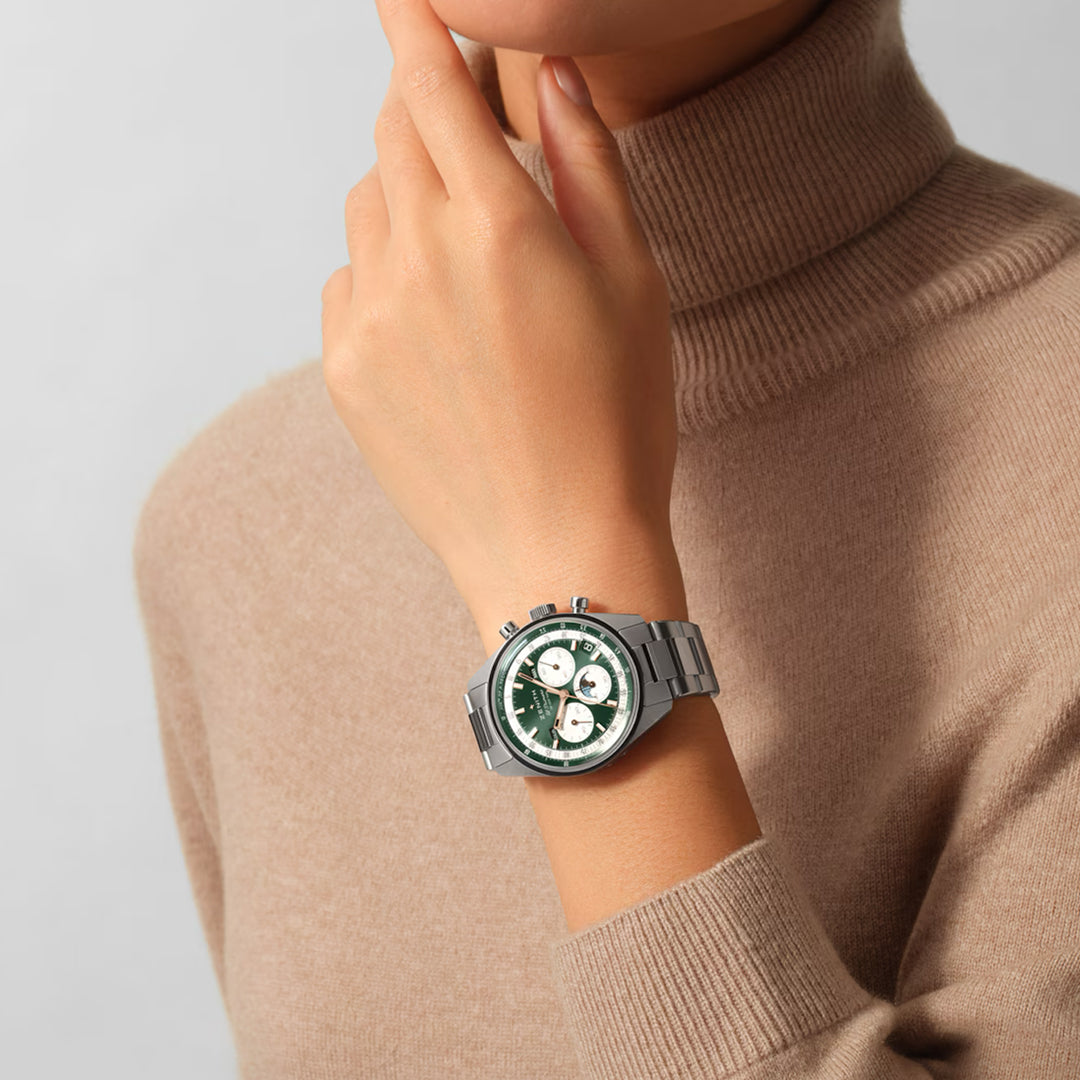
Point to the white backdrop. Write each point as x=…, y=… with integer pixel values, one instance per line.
x=171, y=188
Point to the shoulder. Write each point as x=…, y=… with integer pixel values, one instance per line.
x=1005, y=361
x=271, y=480
x=1010, y=263
x=994, y=385
x=995, y=233
x=975, y=282
x=978, y=235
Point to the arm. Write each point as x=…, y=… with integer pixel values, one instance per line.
x=648, y=820
x=675, y=803
x=987, y=986
x=527, y=435
x=182, y=732
x=693, y=951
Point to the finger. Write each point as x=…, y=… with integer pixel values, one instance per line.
x=410, y=182
x=367, y=225
x=454, y=120
x=588, y=177
x=336, y=306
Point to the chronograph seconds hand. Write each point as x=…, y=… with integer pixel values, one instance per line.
x=563, y=695
x=551, y=689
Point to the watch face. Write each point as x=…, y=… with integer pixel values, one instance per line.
x=565, y=694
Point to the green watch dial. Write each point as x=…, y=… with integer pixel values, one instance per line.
x=564, y=693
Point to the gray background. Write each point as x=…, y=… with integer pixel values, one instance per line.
x=171, y=188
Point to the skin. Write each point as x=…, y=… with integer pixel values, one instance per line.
x=476, y=396
x=638, y=58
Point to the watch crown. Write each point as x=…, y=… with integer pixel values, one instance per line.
x=509, y=628
x=579, y=603
x=541, y=610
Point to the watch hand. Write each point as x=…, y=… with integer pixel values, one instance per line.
x=553, y=690
x=563, y=695
x=591, y=701
x=550, y=689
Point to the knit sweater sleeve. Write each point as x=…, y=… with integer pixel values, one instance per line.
x=731, y=973
x=184, y=744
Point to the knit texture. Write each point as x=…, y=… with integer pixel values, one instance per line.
x=876, y=508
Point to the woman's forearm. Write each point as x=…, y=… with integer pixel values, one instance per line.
x=504, y=363
x=669, y=807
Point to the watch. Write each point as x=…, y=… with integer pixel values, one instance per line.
x=570, y=691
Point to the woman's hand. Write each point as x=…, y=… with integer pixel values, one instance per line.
x=504, y=368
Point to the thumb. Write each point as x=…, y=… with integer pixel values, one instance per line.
x=587, y=174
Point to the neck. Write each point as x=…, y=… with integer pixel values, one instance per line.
x=632, y=85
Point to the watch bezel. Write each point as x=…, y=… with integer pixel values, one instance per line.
x=613, y=751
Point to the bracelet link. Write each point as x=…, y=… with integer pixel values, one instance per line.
x=677, y=655
x=478, y=720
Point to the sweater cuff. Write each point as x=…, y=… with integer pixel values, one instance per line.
x=716, y=972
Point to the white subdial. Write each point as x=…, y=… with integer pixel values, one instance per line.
x=593, y=683
x=555, y=666
x=577, y=722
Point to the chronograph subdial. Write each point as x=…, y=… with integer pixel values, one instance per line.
x=577, y=722
x=593, y=683
x=555, y=666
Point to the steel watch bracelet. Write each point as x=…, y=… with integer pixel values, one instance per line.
x=673, y=651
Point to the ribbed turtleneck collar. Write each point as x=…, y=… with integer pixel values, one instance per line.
x=767, y=169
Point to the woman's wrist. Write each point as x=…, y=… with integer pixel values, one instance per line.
x=674, y=803
x=632, y=569
x=671, y=806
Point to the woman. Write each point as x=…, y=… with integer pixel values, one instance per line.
x=759, y=246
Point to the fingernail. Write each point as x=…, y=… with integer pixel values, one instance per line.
x=571, y=81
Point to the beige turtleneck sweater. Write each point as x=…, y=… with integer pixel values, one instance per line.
x=877, y=512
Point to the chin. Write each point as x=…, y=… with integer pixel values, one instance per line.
x=556, y=27
x=590, y=27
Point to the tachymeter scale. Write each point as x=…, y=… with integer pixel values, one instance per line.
x=564, y=694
